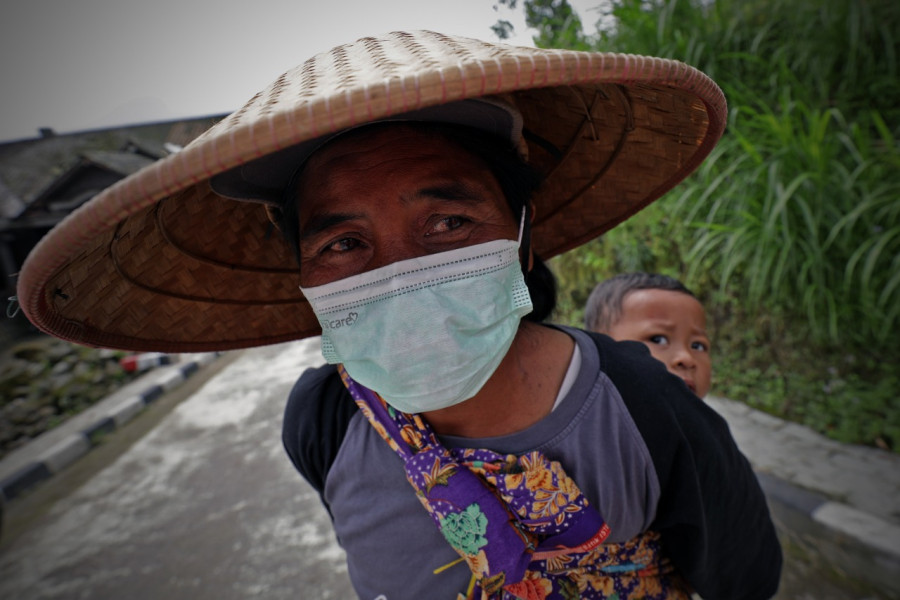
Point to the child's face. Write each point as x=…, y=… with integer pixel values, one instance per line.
x=673, y=326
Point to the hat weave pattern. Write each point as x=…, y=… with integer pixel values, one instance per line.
x=160, y=262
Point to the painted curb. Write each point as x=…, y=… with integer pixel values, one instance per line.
x=76, y=445
x=855, y=541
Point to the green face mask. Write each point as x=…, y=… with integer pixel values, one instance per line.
x=428, y=332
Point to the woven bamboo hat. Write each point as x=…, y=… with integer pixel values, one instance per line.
x=160, y=261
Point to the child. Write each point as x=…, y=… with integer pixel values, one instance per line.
x=660, y=312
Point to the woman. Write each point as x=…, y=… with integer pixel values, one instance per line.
x=460, y=447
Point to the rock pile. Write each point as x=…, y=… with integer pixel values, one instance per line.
x=45, y=380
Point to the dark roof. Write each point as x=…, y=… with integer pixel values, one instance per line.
x=11, y=206
x=150, y=149
x=123, y=163
x=30, y=167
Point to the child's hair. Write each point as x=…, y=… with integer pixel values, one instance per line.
x=604, y=306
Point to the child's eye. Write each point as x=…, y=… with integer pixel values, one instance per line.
x=659, y=339
x=699, y=346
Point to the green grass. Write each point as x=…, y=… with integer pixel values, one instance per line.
x=790, y=230
x=806, y=218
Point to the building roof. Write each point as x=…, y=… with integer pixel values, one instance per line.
x=28, y=168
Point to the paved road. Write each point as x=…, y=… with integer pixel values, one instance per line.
x=195, y=499
x=206, y=505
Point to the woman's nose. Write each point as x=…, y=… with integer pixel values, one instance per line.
x=392, y=249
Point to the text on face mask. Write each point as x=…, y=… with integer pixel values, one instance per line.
x=338, y=323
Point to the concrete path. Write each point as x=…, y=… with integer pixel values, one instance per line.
x=206, y=504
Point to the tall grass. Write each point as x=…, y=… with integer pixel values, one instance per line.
x=798, y=207
x=790, y=230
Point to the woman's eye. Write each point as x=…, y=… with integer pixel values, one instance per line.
x=342, y=245
x=659, y=339
x=446, y=224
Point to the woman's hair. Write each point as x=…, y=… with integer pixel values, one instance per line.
x=517, y=179
x=604, y=306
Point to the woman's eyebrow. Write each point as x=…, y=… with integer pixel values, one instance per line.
x=319, y=223
x=456, y=191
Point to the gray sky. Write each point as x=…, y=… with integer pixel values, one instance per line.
x=73, y=65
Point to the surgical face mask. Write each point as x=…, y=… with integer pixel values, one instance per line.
x=428, y=332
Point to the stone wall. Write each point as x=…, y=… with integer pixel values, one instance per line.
x=43, y=381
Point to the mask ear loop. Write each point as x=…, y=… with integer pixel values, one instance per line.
x=525, y=238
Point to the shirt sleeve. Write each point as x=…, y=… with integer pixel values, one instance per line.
x=316, y=417
x=712, y=514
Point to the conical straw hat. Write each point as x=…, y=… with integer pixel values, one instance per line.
x=161, y=262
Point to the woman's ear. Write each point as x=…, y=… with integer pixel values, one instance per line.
x=526, y=256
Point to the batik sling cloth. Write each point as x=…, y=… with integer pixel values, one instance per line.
x=520, y=523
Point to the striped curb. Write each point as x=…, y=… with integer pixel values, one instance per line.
x=76, y=445
x=872, y=531
x=847, y=527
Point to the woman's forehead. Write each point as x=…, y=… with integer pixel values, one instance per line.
x=372, y=158
x=385, y=143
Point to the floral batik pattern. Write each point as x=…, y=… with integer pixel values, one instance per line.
x=520, y=523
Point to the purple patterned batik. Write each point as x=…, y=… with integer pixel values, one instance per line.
x=519, y=522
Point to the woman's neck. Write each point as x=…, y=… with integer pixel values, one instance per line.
x=521, y=391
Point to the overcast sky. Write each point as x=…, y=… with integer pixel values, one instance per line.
x=74, y=65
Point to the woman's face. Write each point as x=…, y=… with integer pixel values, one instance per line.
x=377, y=196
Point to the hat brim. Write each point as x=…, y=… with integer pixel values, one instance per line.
x=160, y=262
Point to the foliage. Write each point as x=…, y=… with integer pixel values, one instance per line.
x=804, y=216
x=770, y=364
x=638, y=244
x=556, y=23
x=790, y=231
x=801, y=207
x=44, y=381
